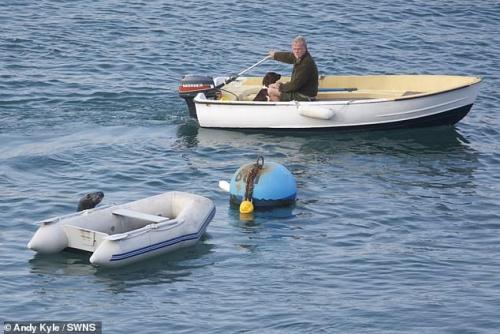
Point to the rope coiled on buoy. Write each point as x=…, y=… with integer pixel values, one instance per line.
x=246, y=205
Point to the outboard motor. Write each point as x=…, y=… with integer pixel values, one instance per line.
x=191, y=85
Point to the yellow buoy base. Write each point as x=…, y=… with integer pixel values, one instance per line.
x=246, y=207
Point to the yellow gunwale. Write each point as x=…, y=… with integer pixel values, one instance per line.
x=389, y=87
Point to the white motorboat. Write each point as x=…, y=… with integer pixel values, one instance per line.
x=123, y=234
x=343, y=102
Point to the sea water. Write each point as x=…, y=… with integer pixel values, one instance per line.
x=393, y=231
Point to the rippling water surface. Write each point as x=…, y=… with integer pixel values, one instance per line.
x=393, y=231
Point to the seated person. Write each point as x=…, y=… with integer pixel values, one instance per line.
x=269, y=78
x=303, y=85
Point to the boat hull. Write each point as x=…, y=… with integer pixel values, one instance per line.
x=445, y=107
x=446, y=118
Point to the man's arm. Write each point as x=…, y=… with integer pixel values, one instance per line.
x=284, y=57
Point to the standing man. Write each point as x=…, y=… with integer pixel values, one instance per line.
x=303, y=85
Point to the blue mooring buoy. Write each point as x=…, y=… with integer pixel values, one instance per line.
x=273, y=185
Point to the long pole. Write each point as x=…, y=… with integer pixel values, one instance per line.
x=254, y=65
x=232, y=78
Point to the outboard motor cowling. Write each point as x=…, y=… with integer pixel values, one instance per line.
x=191, y=85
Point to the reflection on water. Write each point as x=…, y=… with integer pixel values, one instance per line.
x=167, y=268
x=436, y=151
x=269, y=224
x=188, y=132
x=422, y=140
x=263, y=214
x=63, y=263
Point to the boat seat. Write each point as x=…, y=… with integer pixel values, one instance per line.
x=140, y=215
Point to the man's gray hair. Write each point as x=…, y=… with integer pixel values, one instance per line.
x=301, y=40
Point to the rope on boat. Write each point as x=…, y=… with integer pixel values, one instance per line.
x=246, y=205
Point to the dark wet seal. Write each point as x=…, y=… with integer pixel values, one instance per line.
x=90, y=200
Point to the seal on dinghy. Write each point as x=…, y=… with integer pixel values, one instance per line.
x=90, y=200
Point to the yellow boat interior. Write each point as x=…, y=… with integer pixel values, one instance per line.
x=341, y=88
